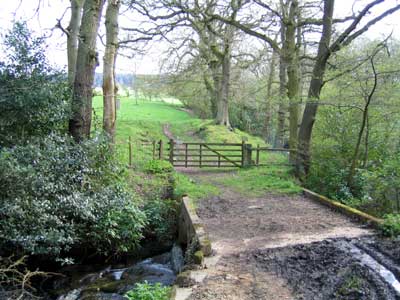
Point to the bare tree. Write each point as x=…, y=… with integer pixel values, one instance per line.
x=110, y=56
x=325, y=49
x=87, y=60
x=73, y=36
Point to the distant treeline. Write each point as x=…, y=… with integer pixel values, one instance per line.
x=126, y=80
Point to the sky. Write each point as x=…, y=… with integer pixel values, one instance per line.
x=43, y=22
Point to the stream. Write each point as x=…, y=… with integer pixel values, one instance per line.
x=112, y=283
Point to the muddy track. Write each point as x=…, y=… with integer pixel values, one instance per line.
x=279, y=247
x=288, y=247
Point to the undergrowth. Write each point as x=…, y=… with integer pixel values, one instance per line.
x=147, y=291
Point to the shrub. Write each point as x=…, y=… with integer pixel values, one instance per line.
x=34, y=97
x=162, y=217
x=391, y=225
x=158, y=167
x=56, y=194
x=146, y=291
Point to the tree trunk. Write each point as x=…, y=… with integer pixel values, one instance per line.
x=280, y=133
x=352, y=171
x=310, y=111
x=87, y=60
x=223, y=113
x=110, y=55
x=268, y=112
x=290, y=56
x=72, y=39
x=211, y=87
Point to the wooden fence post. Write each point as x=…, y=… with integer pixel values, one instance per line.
x=171, y=151
x=247, y=153
x=258, y=155
x=130, y=151
x=161, y=150
x=201, y=154
x=243, y=150
x=186, y=155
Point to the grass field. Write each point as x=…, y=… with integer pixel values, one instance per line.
x=143, y=121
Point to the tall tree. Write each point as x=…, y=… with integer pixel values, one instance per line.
x=325, y=49
x=87, y=60
x=73, y=37
x=109, y=83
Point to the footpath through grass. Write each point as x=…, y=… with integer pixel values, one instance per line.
x=143, y=121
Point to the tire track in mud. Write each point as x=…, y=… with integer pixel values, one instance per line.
x=288, y=247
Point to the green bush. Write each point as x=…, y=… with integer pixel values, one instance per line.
x=146, y=291
x=391, y=225
x=34, y=98
x=158, y=167
x=162, y=218
x=56, y=195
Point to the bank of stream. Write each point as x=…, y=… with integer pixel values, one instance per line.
x=111, y=282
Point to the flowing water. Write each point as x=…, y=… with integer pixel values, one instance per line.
x=112, y=283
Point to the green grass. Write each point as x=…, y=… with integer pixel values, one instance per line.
x=261, y=180
x=195, y=190
x=143, y=121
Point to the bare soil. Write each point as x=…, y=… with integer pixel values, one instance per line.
x=283, y=247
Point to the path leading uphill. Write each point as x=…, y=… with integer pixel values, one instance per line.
x=283, y=247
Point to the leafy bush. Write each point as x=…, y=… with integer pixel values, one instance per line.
x=391, y=225
x=146, y=291
x=162, y=218
x=34, y=98
x=158, y=167
x=56, y=194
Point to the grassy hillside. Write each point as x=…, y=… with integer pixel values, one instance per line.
x=144, y=120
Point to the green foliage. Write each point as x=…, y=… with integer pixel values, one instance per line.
x=55, y=195
x=158, y=167
x=391, y=225
x=146, y=291
x=162, y=216
x=34, y=97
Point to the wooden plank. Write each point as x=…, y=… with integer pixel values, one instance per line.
x=205, y=150
x=206, y=166
x=223, y=156
x=205, y=161
x=276, y=149
x=205, y=155
x=215, y=144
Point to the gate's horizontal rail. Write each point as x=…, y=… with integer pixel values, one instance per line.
x=207, y=166
x=207, y=161
x=205, y=155
x=212, y=144
x=208, y=150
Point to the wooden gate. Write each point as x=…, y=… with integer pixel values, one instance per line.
x=200, y=155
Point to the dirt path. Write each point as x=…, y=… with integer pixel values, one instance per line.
x=240, y=227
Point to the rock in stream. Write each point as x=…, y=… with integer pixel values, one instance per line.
x=112, y=284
